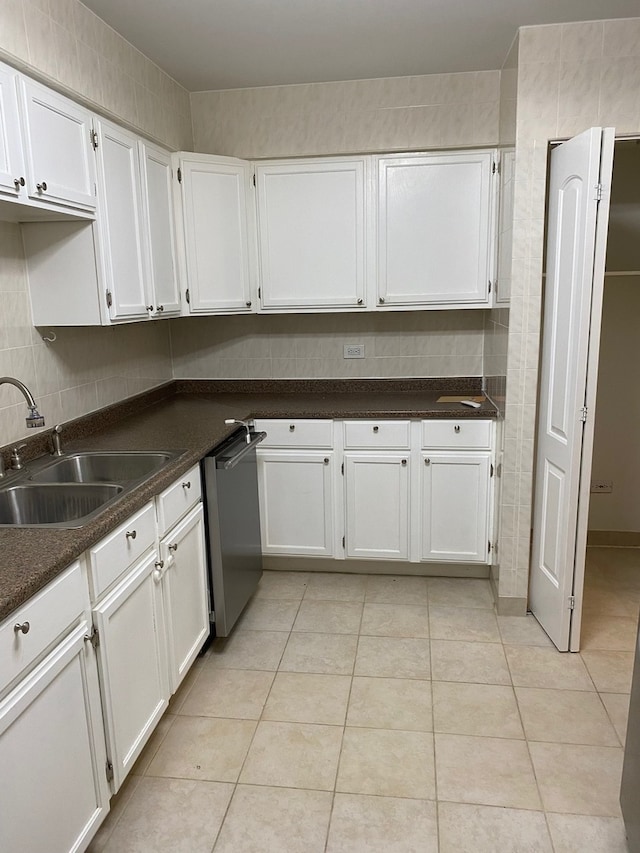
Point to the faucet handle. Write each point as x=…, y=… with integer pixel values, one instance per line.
x=16, y=459
x=55, y=441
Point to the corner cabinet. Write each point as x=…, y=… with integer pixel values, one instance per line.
x=312, y=233
x=218, y=231
x=435, y=226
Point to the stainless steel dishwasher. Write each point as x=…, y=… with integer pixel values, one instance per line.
x=233, y=516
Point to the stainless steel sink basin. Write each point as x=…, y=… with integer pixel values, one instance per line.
x=111, y=467
x=59, y=505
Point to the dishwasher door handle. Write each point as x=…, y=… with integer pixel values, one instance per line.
x=256, y=438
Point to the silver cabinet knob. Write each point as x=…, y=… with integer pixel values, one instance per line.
x=42, y=188
x=376, y=428
x=19, y=182
x=160, y=309
x=22, y=627
x=174, y=547
x=131, y=534
x=292, y=427
x=404, y=461
x=248, y=304
x=186, y=484
x=149, y=307
x=360, y=301
x=381, y=300
x=326, y=460
x=427, y=462
x=456, y=428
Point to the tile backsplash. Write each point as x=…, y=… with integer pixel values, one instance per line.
x=416, y=344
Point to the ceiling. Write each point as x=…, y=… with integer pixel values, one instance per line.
x=229, y=44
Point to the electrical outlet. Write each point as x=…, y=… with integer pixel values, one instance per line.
x=602, y=487
x=354, y=351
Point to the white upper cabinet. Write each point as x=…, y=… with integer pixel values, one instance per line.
x=219, y=234
x=312, y=233
x=435, y=228
x=120, y=211
x=160, y=230
x=12, y=171
x=59, y=154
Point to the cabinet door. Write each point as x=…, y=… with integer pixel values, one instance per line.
x=218, y=253
x=311, y=232
x=132, y=661
x=55, y=793
x=60, y=157
x=160, y=230
x=185, y=593
x=455, y=507
x=296, y=502
x=435, y=234
x=377, y=505
x=12, y=174
x=120, y=213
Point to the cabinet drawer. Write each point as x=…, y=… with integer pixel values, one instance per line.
x=116, y=552
x=178, y=498
x=48, y=614
x=452, y=434
x=296, y=432
x=377, y=434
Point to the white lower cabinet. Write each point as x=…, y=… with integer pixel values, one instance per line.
x=296, y=502
x=51, y=741
x=420, y=491
x=131, y=659
x=455, y=507
x=184, y=588
x=377, y=489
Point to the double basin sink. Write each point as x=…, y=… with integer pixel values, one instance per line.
x=73, y=489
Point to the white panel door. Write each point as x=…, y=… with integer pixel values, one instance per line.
x=218, y=220
x=160, y=230
x=120, y=220
x=311, y=233
x=54, y=794
x=296, y=502
x=572, y=254
x=60, y=158
x=12, y=172
x=455, y=507
x=184, y=586
x=377, y=505
x=435, y=228
x=132, y=662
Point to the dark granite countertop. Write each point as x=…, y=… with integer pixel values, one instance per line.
x=189, y=415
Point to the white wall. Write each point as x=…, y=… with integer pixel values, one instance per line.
x=616, y=449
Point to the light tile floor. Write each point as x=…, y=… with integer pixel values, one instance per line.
x=350, y=713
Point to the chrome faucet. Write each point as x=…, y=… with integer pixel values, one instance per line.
x=34, y=418
x=246, y=424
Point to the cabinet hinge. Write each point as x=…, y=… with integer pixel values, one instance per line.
x=489, y=546
x=572, y=602
x=187, y=296
x=342, y=469
x=259, y=293
x=491, y=470
x=93, y=637
x=597, y=192
x=343, y=542
x=254, y=179
x=109, y=771
x=93, y=136
x=490, y=286
x=495, y=168
x=109, y=299
x=583, y=414
x=179, y=174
